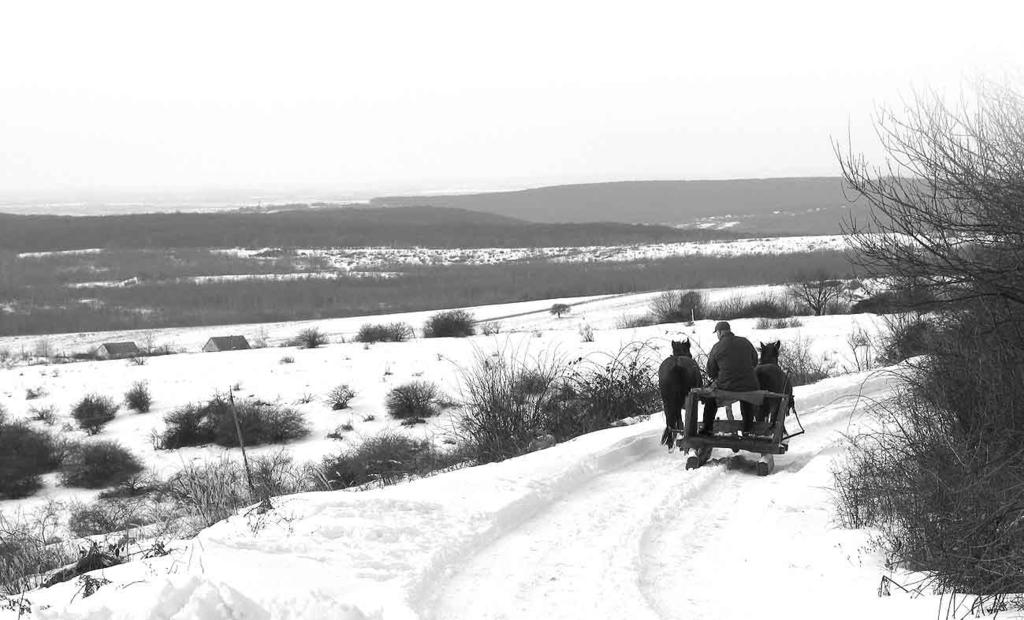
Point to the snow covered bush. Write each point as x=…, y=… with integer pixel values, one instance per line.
x=138, y=398
x=339, y=397
x=93, y=412
x=25, y=454
x=384, y=332
x=416, y=399
x=384, y=459
x=449, y=324
x=98, y=464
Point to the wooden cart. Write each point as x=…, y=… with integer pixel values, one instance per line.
x=766, y=439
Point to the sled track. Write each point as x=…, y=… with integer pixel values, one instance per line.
x=647, y=539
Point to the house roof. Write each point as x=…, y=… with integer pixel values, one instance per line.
x=120, y=347
x=229, y=342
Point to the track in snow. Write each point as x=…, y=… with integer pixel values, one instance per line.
x=651, y=540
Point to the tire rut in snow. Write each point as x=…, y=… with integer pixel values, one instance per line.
x=581, y=557
x=640, y=541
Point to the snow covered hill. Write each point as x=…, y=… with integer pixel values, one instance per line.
x=608, y=525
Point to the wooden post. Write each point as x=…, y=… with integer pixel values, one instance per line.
x=241, y=444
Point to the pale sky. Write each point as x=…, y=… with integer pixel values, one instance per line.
x=433, y=94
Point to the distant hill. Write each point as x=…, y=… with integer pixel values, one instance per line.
x=321, y=227
x=802, y=205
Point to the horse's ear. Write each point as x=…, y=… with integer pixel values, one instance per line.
x=686, y=342
x=778, y=345
x=763, y=345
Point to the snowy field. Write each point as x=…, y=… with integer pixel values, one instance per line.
x=371, y=261
x=608, y=525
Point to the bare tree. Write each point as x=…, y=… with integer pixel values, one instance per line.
x=818, y=292
x=946, y=207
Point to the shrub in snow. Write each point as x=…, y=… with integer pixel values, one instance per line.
x=214, y=422
x=740, y=307
x=906, y=336
x=47, y=415
x=802, y=366
x=287, y=359
x=384, y=459
x=770, y=323
x=309, y=338
x=629, y=321
x=677, y=307
x=25, y=454
x=417, y=399
x=33, y=393
x=214, y=490
x=28, y=551
x=98, y=464
x=596, y=392
x=107, y=516
x=449, y=324
x=260, y=422
x=586, y=333
x=505, y=400
x=490, y=328
x=138, y=398
x=339, y=397
x=185, y=426
x=384, y=332
x=93, y=412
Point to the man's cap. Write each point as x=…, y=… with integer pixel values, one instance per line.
x=722, y=326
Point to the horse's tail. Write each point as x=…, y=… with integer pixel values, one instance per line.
x=792, y=398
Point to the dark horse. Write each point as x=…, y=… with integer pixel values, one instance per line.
x=676, y=375
x=772, y=378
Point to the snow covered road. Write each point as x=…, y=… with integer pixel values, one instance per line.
x=651, y=540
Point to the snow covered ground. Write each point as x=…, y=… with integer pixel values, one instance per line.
x=608, y=525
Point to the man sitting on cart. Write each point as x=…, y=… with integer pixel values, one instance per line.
x=730, y=367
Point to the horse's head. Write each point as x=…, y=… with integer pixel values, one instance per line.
x=770, y=352
x=681, y=349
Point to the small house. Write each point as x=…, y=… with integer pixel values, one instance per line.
x=116, y=350
x=226, y=343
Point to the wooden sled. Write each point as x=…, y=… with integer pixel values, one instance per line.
x=767, y=439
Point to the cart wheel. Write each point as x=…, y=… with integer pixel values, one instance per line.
x=766, y=465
